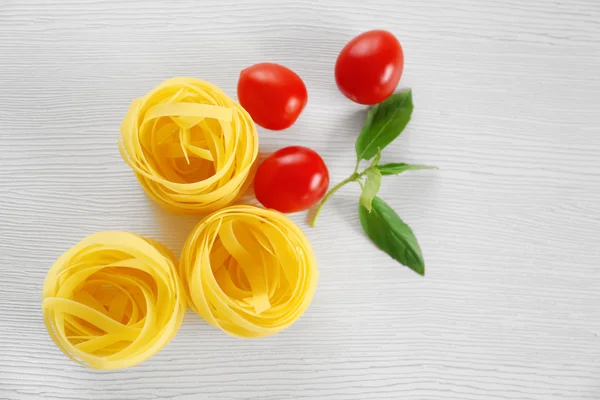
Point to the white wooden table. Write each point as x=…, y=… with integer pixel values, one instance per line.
x=507, y=105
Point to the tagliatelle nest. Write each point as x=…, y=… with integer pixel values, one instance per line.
x=248, y=271
x=193, y=149
x=113, y=300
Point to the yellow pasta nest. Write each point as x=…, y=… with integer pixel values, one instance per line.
x=248, y=271
x=192, y=148
x=113, y=300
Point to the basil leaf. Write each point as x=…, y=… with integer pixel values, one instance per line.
x=385, y=228
x=385, y=122
x=398, y=168
x=371, y=188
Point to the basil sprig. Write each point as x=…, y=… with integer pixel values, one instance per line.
x=384, y=123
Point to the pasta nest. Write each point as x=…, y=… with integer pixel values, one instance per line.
x=193, y=149
x=248, y=271
x=113, y=300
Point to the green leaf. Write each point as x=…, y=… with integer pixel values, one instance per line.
x=385, y=228
x=384, y=123
x=371, y=188
x=398, y=168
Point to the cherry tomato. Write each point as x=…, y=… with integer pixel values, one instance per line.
x=273, y=95
x=292, y=179
x=369, y=67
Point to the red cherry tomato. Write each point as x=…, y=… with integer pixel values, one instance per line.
x=273, y=95
x=369, y=67
x=292, y=179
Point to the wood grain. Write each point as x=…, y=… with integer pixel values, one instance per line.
x=506, y=96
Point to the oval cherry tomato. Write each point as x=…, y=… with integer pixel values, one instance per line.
x=273, y=95
x=369, y=67
x=292, y=179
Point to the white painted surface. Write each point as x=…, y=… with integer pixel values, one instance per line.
x=507, y=105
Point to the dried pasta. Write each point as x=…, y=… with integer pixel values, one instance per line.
x=248, y=271
x=193, y=149
x=113, y=300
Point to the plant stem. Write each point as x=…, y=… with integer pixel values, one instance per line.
x=337, y=187
x=356, y=167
